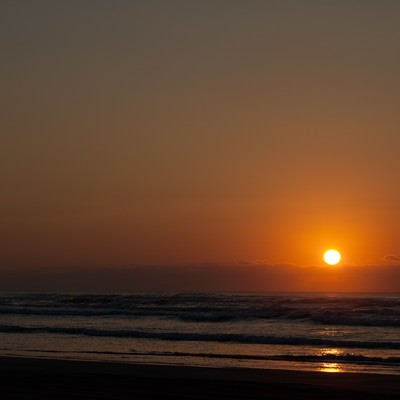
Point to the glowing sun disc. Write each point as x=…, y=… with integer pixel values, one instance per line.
x=332, y=257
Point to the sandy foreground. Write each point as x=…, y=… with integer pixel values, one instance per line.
x=28, y=378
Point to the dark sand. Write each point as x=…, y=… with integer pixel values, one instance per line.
x=26, y=378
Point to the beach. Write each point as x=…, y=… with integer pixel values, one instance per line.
x=30, y=378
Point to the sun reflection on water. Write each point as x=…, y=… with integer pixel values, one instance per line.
x=330, y=352
x=330, y=367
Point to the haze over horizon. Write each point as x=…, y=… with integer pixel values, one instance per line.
x=240, y=134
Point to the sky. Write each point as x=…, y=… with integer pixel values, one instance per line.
x=251, y=134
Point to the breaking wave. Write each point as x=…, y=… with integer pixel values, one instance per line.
x=335, y=358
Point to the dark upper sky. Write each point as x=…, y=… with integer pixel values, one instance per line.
x=173, y=132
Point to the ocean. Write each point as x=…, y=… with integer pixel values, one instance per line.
x=301, y=331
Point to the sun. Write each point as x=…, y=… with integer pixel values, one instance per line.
x=332, y=257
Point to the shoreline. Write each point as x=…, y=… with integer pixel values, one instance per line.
x=57, y=378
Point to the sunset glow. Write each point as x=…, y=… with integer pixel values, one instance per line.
x=199, y=147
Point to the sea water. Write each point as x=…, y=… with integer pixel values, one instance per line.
x=320, y=332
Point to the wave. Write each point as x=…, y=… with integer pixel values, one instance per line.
x=347, y=357
x=322, y=358
x=203, y=337
x=326, y=310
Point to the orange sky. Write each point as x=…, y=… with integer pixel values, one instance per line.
x=176, y=133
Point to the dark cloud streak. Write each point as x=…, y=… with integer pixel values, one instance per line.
x=391, y=258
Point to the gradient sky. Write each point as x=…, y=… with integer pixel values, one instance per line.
x=184, y=132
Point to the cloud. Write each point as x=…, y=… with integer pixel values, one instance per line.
x=204, y=278
x=391, y=257
x=255, y=262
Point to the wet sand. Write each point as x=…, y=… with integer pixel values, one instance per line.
x=28, y=378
